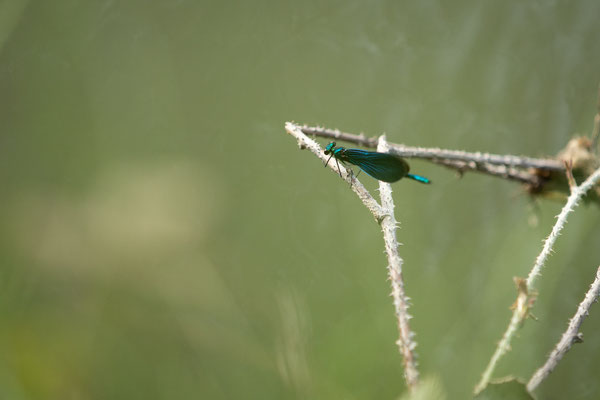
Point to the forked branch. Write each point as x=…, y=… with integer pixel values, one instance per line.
x=384, y=214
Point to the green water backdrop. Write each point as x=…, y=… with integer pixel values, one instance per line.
x=163, y=238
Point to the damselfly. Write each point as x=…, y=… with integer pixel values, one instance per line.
x=381, y=166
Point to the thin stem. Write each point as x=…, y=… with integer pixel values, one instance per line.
x=570, y=336
x=336, y=134
x=576, y=194
x=524, y=300
x=437, y=153
x=406, y=343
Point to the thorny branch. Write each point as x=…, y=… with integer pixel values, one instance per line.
x=525, y=298
x=384, y=214
x=540, y=176
x=406, y=343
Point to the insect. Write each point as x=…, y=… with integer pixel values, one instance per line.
x=381, y=166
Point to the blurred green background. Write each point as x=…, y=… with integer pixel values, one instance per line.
x=163, y=238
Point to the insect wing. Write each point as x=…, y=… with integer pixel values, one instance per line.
x=381, y=166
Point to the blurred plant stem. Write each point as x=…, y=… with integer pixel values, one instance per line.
x=569, y=337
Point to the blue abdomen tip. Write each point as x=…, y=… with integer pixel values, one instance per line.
x=418, y=178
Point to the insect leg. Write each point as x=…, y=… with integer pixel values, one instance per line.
x=339, y=170
x=328, y=159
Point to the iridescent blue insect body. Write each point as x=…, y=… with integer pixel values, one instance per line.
x=381, y=166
